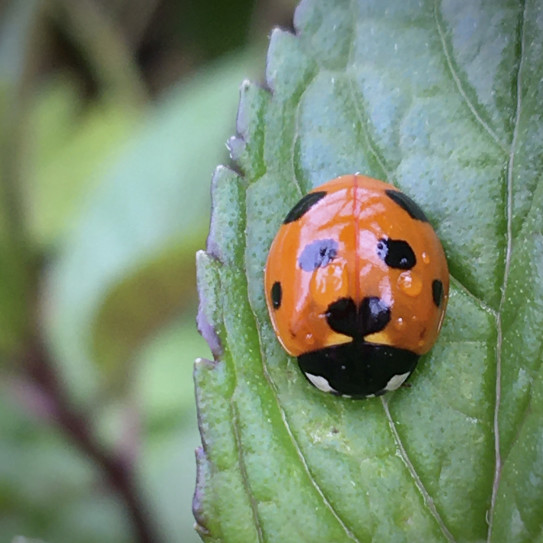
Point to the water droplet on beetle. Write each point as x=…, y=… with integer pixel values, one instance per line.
x=410, y=283
x=399, y=323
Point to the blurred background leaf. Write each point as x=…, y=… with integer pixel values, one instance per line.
x=113, y=117
x=128, y=263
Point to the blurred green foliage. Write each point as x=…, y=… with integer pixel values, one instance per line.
x=113, y=118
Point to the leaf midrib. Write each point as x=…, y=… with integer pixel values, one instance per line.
x=507, y=266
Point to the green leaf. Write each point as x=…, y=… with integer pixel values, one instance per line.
x=139, y=302
x=444, y=100
x=71, y=142
x=135, y=240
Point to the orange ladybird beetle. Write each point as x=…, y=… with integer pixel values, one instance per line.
x=356, y=285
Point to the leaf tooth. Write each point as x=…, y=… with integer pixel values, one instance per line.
x=225, y=241
x=208, y=319
x=287, y=58
x=247, y=146
x=202, y=481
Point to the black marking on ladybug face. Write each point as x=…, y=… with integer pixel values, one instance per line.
x=437, y=292
x=371, y=316
x=276, y=295
x=303, y=206
x=407, y=204
x=318, y=254
x=358, y=369
x=375, y=314
x=342, y=316
x=396, y=253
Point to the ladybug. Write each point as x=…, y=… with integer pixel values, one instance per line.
x=356, y=285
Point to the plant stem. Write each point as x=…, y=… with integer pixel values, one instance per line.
x=117, y=472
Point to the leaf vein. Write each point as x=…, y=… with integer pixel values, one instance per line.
x=482, y=304
x=310, y=475
x=458, y=82
x=364, y=125
x=508, y=204
x=428, y=500
x=297, y=448
x=526, y=410
x=296, y=134
x=244, y=474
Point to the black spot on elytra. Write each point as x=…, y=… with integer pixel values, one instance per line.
x=371, y=316
x=437, y=292
x=276, y=295
x=407, y=204
x=318, y=254
x=303, y=206
x=396, y=253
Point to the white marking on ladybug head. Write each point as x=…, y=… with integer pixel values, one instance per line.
x=397, y=381
x=320, y=382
